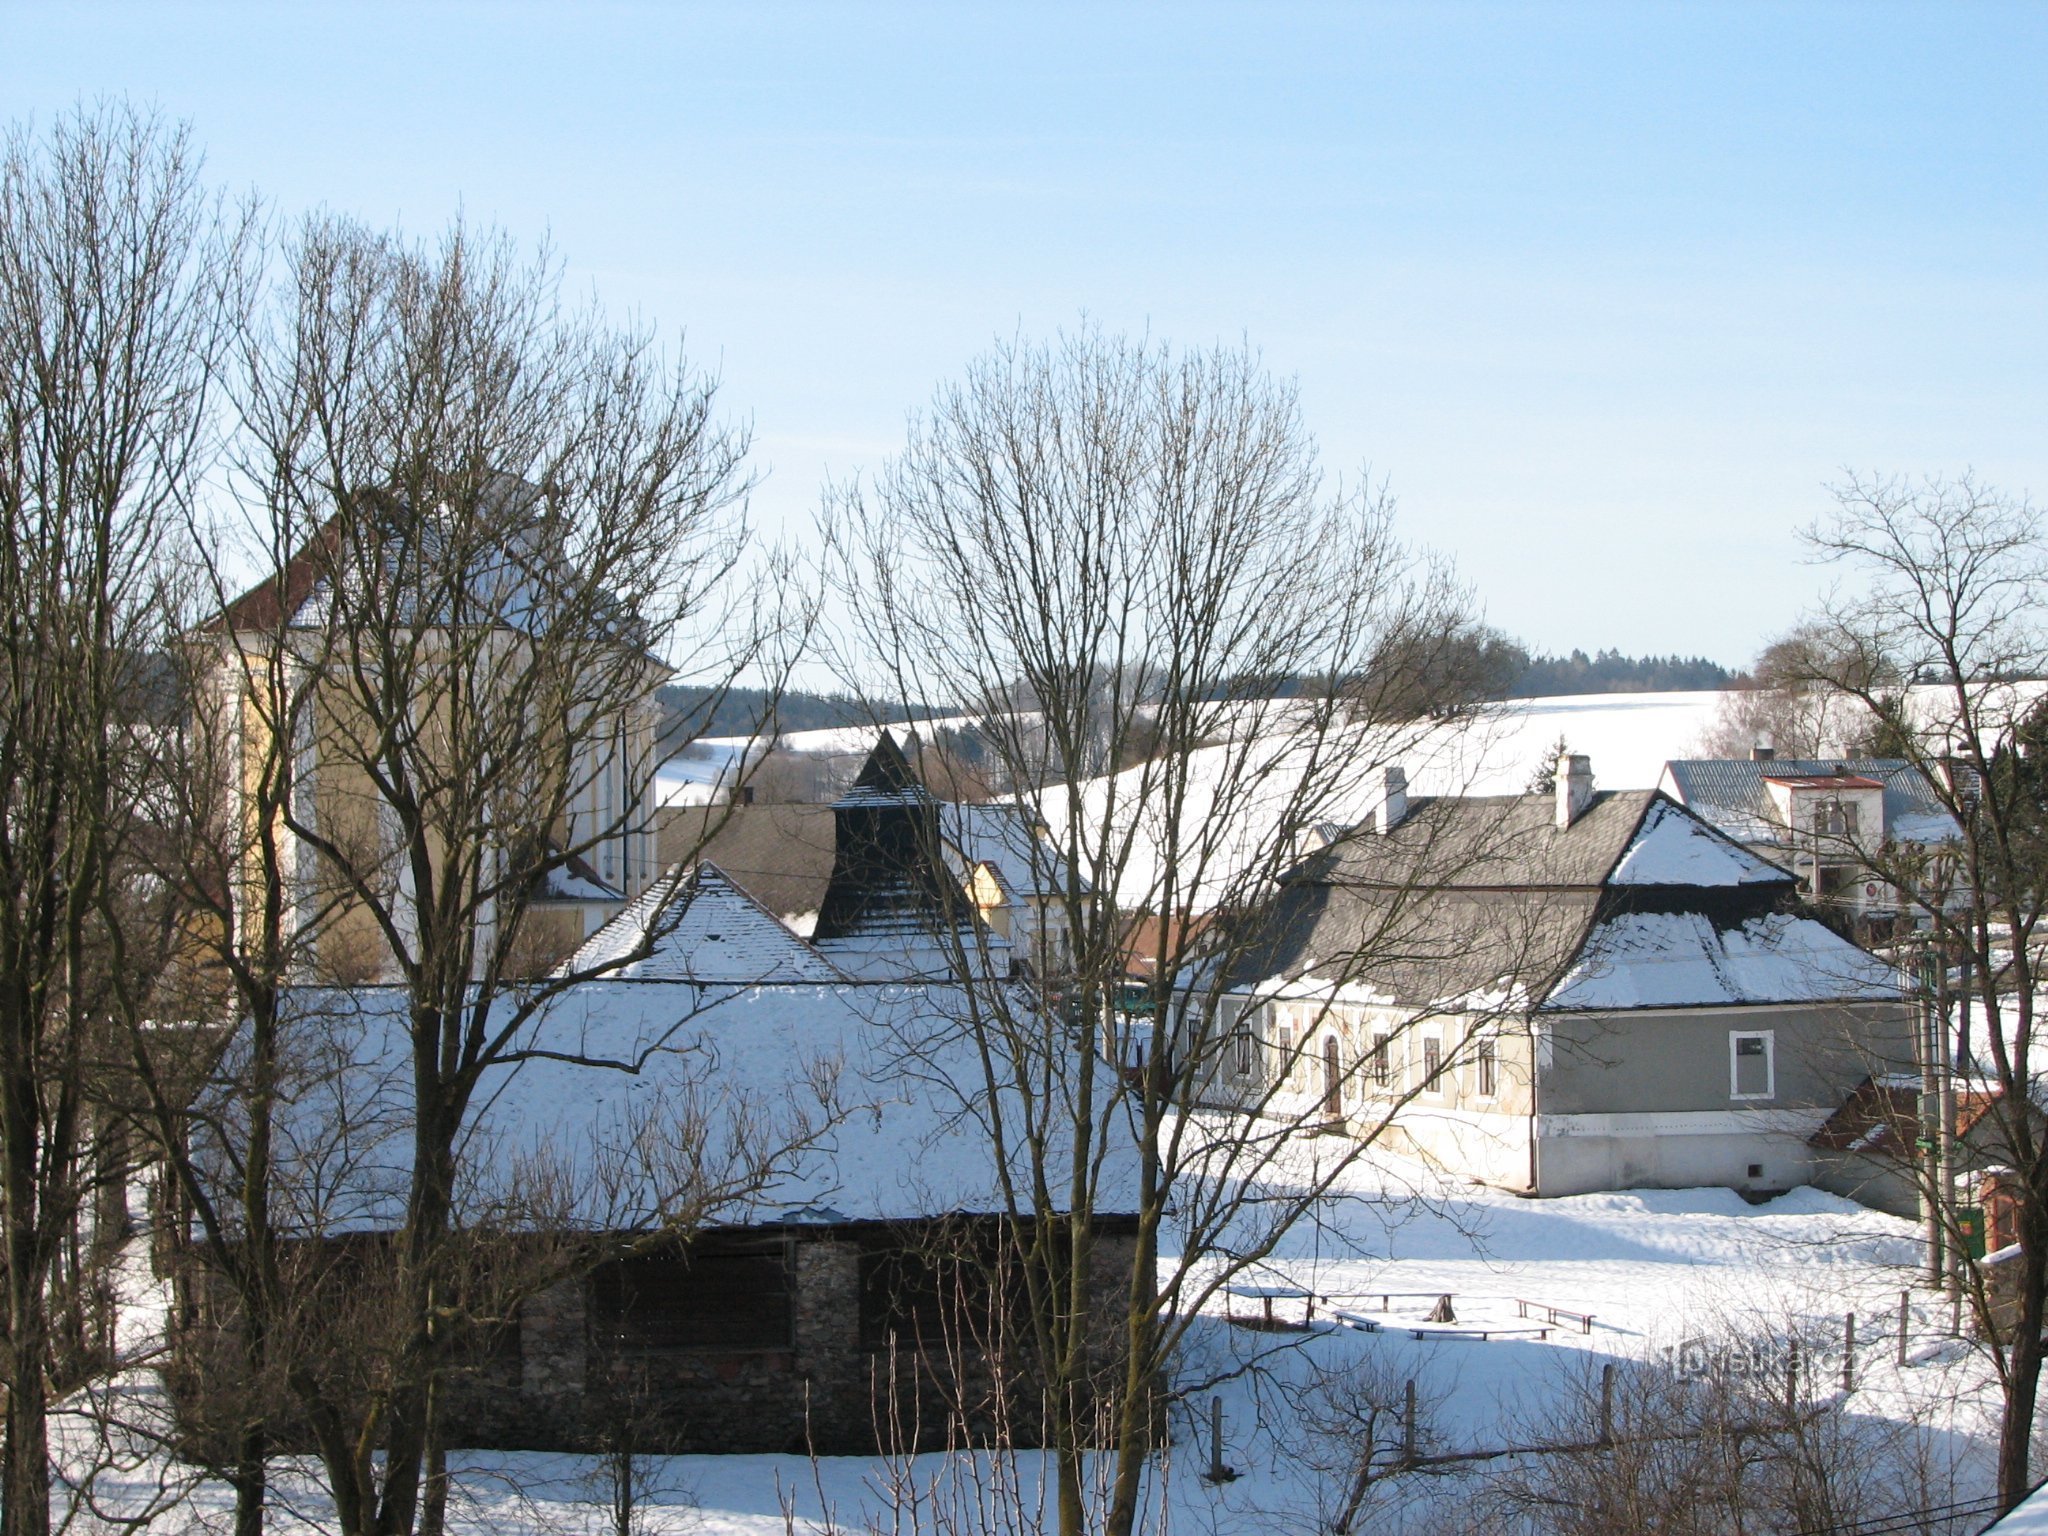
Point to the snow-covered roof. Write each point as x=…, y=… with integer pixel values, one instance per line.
x=575, y=880
x=1689, y=960
x=1005, y=837
x=2029, y=1517
x=621, y=1089
x=1674, y=848
x=1637, y=904
x=696, y=925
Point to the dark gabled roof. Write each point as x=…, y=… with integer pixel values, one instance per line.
x=265, y=606
x=1505, y=842
x=1638, y=904
x=1731, y=792
x=515, y=581
x=1462, y=892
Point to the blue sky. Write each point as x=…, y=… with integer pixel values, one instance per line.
x=1608, y=293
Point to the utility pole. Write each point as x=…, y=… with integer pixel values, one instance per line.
x=1946, y=1059
x=1927, y=1037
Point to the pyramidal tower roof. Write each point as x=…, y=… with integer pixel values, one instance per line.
x=699, y=926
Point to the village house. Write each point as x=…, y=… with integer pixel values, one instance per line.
x=1823, y=819
x=1558, y=994
x=857, y=1295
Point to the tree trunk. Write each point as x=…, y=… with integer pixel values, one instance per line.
x=434, y=1486
x=25, y=1457
x=25, y=1465
x=2023, y=1376
x=413, y=1396
x=248, y=1481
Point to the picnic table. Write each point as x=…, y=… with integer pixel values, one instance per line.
x=1266, y=1295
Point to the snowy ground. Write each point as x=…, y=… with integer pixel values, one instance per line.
x=1654, y=1268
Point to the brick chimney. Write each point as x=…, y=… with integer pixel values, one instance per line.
x=1394, y=803
x=1762, y=752
x=1574, y=787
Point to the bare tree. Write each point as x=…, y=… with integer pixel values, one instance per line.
x=1940, y=614
x=488, y=521
x=1784, y=707
x=1186, y=656
x=116, y=279
x=1747, y=1436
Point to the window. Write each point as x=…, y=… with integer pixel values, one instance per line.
x=1382, y=1060
x=715, y=1294
x=1488, y=1073
x=1751, y=1068
x=1284, y=1069
x=930, y=1288
x=1241, y=1044
x=1432, y=1063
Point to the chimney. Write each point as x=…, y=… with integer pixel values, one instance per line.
x=1574, y=787
x=1394, y=804
x=1762, y=752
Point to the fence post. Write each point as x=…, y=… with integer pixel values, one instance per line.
x=1607, y=1403
x=1905, y=1317
x=1792, y=1378
x=1217, y=1471
x=1849, y=1353
x=1408, y=1424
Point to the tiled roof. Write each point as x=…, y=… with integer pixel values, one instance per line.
x=885, y=779
x=512, y=578
x=1492, y=841
x=1882, y=1117
x=781, y=855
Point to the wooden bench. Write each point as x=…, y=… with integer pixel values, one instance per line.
x=1555, y=1315
x=1461, y=1331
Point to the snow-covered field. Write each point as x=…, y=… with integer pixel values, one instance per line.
x=1658, y=1270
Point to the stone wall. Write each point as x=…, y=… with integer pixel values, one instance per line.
x=824, y=1392
x=553, y=1382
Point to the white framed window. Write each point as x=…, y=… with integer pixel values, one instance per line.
x=1486, y=1069
x=1381, y=1063
x=1242, y=1044
x=1283, y=1043
x=1752, y=1064
x=1432, y=1064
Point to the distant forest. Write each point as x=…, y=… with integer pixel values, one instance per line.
x=1519, y=675
x=1534, y=677
x=740, y=712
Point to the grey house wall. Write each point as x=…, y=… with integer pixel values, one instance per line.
x=1646, y=1098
